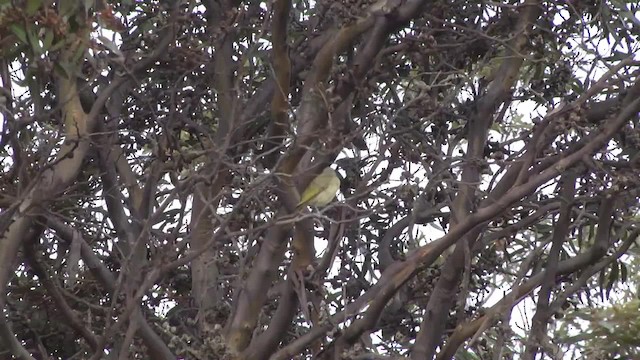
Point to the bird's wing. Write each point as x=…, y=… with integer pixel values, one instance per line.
x=312, y=191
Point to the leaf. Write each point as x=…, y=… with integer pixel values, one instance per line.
x=111, y=46
x=48, y=39
x=57, y=46
x=613, y=277
x=601, y=279
x=629, y=16
x=617, y=56
x=34, y=41
x=67, y=7
x=592, y=233
x=33, y=6
x=19, y=32
x=609, y=326
x=466, y=355
x=436, y=226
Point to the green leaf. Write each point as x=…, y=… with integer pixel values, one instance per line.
x=34, y=41
x=67, y=7
x=57, y=46
x=617, y=56
x=613, y=277
x=19, y=32
x=601, y=279
x=466, y=355
x=33, y=6
x=89, y=4
x=629, y=16
x=623, y=272
x=111, y=46
x=48, y=39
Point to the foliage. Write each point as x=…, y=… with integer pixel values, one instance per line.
x=611, y=332
x=153, y=153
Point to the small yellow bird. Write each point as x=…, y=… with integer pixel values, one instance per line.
x=321, y=190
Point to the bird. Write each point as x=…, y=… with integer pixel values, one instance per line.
x=321, y=190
